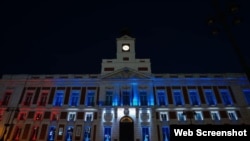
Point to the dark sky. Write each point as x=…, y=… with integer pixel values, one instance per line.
x=73, y=37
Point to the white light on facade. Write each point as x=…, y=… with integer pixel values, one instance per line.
x=120, y=112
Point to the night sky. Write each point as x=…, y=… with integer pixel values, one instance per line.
x=73, y=37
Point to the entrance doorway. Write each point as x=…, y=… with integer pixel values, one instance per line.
x=126, y=129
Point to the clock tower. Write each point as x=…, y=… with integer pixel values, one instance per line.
x=125, y=48
x=125, y=58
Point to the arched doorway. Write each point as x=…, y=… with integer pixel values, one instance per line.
x=126, y=129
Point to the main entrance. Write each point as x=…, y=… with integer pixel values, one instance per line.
x=126, y=129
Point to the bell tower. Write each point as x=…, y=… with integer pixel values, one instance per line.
x=125, y=58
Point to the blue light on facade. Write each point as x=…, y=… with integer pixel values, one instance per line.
x=58, y=100
x=151, y=99
x=52, y=133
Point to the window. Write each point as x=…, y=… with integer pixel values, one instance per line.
x=58, y=101
x=181, y=116
x=43, y=99
x=87, y=133
x=74, y=98
x=90, y=98
x=163, y=116
x=88, y=116
x=198, y=116
x=161, y=98
x=38, y=116
x=232, y=115
x=107, y=133
x=22, y=116
x=51, y=134
x=145, y=134
x=109, y=69
x=27, y=99
x=226, y=97
x=194, y=98
x=246, y=92
x=165, y=133
x=17, y=133
x=143, y=98
x=55, y=117
x=69, y=134
x=109, y=98
x=6, y=98
x=78, y=131
x=178, y=98
x=71, y=116
x=34, y=133
x=125, y=58
x=142, y=69
x=126, y=98
x=60, y=131
x=215, y=115
x=211, y=101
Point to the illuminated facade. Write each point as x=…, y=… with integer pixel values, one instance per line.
x=125, y=102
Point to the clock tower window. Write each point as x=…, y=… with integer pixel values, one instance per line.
x=125, y=58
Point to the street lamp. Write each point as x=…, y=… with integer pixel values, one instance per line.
x=8, y=123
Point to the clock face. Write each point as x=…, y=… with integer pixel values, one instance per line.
x=125, y=47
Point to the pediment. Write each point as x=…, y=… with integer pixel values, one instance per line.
x=126, y=73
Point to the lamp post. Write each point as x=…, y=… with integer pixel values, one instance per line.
x=8, y=123
x=222, y=18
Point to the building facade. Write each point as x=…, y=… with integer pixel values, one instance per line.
x=124, y=102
